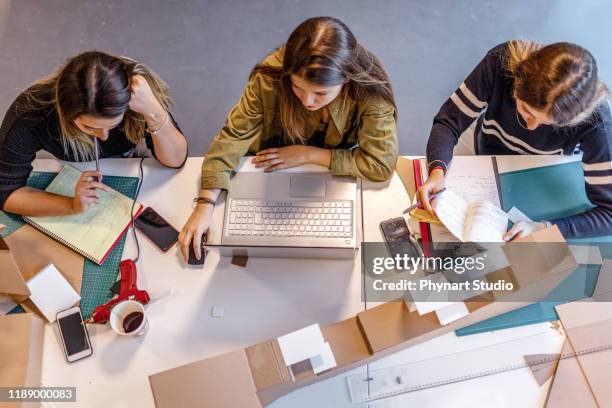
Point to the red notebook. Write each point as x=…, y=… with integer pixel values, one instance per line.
x=95, y=232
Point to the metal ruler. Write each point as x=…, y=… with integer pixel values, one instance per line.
x=458, y=367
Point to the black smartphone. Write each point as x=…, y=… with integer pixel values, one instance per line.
x=192, y=258
x=73, y=334
x=157, y=229
x=398, y=238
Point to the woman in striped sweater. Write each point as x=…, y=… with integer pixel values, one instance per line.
x=533, y=99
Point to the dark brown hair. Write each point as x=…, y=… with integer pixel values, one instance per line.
x=97, y=84
x=559, y=79
x=324, y=51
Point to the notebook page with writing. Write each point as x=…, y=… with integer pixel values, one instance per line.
x=95, y=231
x=485, y=223
x=479, y=221
x=474, y=179
x=452, y=211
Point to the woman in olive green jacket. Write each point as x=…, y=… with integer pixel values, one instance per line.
x=322, y=98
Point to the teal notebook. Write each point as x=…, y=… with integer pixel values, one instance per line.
x=97, y=279
x=546, y=193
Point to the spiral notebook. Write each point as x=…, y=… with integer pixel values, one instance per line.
x=95, y=232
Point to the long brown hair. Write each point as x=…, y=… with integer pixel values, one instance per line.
x=324, y=51
x=559, y=79
x=97, y=84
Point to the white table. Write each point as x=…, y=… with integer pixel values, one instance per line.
x=264, y=300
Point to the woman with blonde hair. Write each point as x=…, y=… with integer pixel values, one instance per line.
x=321, y=98
x=117, y=100
x=533, y=99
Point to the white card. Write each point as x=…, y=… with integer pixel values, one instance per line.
x=51, y=292
x=586, y=254
x=302, y=344
x=452, y=312
x=515, y=215
x=323, y=361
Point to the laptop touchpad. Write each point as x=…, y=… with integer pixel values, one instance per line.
x=307, y=186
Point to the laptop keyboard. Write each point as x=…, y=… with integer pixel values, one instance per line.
x=297, y=218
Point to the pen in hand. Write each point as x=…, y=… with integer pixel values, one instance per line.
x=412, y=207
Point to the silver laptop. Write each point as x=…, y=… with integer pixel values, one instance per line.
x=290, y=215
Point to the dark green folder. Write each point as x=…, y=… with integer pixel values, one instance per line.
x=547, y=193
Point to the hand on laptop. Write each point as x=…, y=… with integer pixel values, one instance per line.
x=198, y=224
x=291, y=156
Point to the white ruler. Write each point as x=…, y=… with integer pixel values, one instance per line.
x=489, y=360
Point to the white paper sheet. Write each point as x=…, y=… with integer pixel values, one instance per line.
x=302, y=344
x=51, y=292
x=473, y=178
x=515, y=215
x=323, y=361
x=452, y=312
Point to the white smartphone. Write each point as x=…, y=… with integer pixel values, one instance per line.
x=73, y=333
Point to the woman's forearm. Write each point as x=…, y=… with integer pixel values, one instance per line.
x=37, y=203
x=320, y=156
x=170, y=144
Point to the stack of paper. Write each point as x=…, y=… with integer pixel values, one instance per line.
x=307, y=344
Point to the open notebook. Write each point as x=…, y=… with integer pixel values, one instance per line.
x=478, y=221
x=94, y=232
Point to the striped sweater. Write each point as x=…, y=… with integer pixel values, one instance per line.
x=487, y=96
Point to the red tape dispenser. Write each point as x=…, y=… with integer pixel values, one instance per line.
x=127, y=291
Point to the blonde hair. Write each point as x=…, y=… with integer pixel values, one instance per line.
x=560, y=79
x=105, y=91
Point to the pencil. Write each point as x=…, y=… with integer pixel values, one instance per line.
x=96, y=148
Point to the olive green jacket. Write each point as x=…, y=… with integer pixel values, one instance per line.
x=362, y=135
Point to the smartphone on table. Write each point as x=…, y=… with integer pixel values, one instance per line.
x=398, y=238
x=156, y=229
x=73, y=334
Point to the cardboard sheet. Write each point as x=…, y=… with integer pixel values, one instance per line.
x=20, y=352
x=569, y=388
x=11, y=280
x=588, y=326
x=222, y=381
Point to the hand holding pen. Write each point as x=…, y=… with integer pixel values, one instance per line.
x=418, y=203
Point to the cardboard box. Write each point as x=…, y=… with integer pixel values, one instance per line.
x=11, y=280
x=257, y=375
x=20, y=353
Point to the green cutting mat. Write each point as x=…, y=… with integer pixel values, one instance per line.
x=97, y=280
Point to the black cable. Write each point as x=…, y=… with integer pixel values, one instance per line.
x=140, y=180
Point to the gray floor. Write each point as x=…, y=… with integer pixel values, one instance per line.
x=205, y=48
